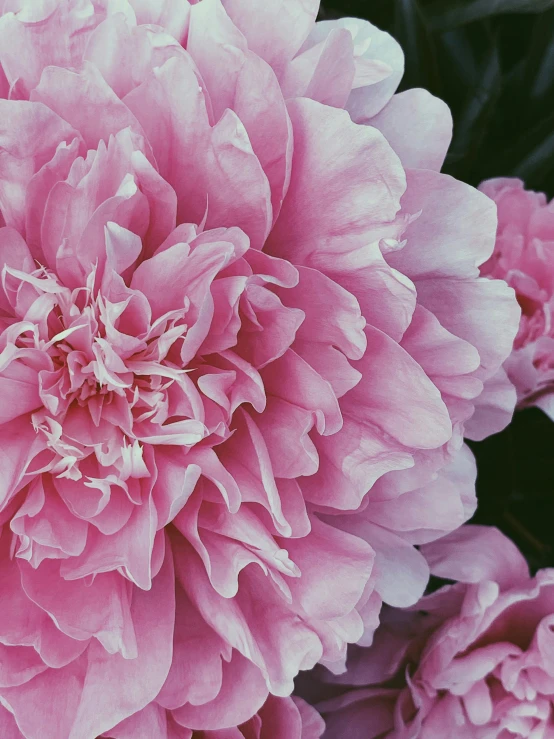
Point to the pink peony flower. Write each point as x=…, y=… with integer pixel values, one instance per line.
x=523, y=256
x=229, y=308
x=473, y=660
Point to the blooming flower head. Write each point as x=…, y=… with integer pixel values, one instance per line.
x=523, y=256
x=236, y=295
x=472, y=660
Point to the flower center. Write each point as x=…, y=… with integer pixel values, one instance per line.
x=109, y=378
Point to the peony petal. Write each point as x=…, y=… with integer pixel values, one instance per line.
x=125, y=54
x=150, y=721
x=238, y=188
x=370, y=46
x=274, y=32
x=324, y=72
x=475, y=553
x=19, y=443
x=194, y=642
x=432, y=249
x=8, y=726
x=386, y=297
x=14, y=253
x=273, y=326
x=329, y=555
x=342, y=328
x=170, y=106
x=29, y=136
x=116, y=688
x=226, y=711
x=490, y=315
x=350, y=462
x=43, y=35
x=493, y=409
x=218, y=48
x=401, y=572
x=101, y=609
x=332, y=204
x=418, y=126
x=374, y=401
x=86, y=102
x=128, y=550
x=305, y=389
x=27, y=701
x=46, y=527
x=173, y=15
x=285, y=430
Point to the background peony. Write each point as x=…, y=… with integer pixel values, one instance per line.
x=472, y=660
x=229, y=309
x=523, y=256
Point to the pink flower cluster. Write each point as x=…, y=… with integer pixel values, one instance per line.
x=524, y=257
x=474, y=660
x=236, y=295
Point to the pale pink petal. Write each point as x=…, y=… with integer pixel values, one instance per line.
x=111, y=691
x=62, y=687
x=173, y=15
x=274, y=32
x=494, y=408
x=180, y=133
x=194, y=642
x=474, y=553
x=372, y=400
x=29, y=136
x=349, y=464
x=14, y=253
x=324, y=72
x=86, y=102
x=18, y=445
x=43, y=34
x=305, y=388
x=440, y=200
x=285, y=428
x=370, y=45
x=329, y=554
x=418, y=126
x=150, y=721
x=475, y=300
x=238, y=79
x=313, y=725
x=238, y=188
x=225, y=710
x=328, y=207
x=125, y=54
x=8, y=726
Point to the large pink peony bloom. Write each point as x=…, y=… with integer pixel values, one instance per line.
x=524, y=257
x=229, y=309
x=474, y=660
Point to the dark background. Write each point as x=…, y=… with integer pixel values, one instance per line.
x=492, y=61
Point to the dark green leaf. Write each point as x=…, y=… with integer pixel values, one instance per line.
x=477, y=113
x=539, y=78
x=412, y=33
x=444, y=14
x=538, y=163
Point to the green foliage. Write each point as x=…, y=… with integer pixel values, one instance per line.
x=443, y=15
